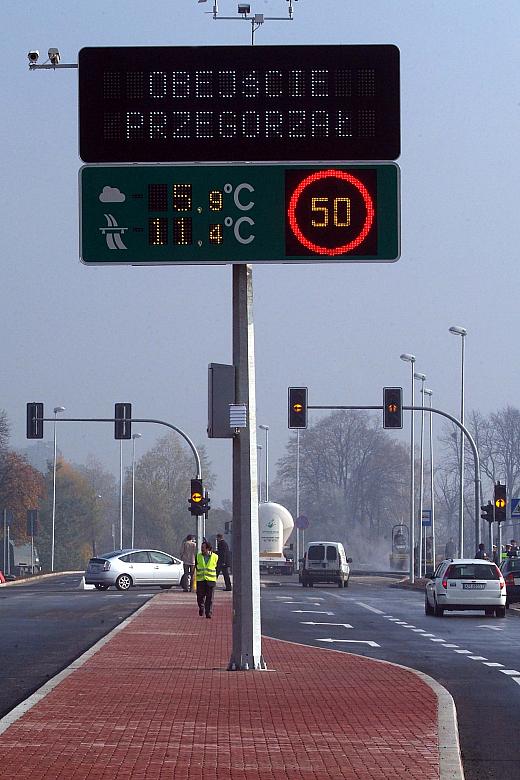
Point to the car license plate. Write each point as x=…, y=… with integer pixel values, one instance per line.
x=473, y=585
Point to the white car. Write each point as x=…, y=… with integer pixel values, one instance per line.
x=126, y=568
x=466, y=583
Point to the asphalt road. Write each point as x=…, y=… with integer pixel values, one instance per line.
x=476, y=658
x=48, y=623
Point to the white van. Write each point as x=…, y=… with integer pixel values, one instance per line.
x=325, y=562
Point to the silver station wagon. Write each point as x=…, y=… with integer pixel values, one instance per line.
x=126, y=568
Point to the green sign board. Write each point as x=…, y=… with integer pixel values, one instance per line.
x=220, y=214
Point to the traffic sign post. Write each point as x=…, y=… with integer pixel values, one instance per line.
x=239, y=214
x=223, y=103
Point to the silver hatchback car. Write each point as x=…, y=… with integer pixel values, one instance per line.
x=125, y=568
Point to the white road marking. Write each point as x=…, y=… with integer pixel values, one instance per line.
x=372, y=609
x=448, y=645
x=492, y=663
x=409, y=626
x=512, y=672
x=419, y=631
x=436, y=639
x=463, y=652
x=492, y=628
x=311, y=623
x=427, y=635
x=477, y=657
x=351, y=641
x=516, y=679
x=311, y=611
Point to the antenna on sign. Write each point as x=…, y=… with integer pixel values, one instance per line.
x=257, y=20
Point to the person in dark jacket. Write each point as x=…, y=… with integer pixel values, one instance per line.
x=481, y=552
x=224, y=560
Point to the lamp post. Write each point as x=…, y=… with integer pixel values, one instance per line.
x=458, y=330
x=411, y=359
x=57, y=410
x=134, y=437
x=422, y=378
x=259, y=471
x=429, y=393
x=266, y=429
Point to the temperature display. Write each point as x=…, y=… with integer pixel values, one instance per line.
x=215, y=214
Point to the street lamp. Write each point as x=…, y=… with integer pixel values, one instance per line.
x=429, y=393
x=266, y=429
x=458, y=330
x=411, y=359
x=134, y=437
x=259, y=471
x=422, y=378
x=57, y=410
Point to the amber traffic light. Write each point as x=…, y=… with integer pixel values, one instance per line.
x=500, y=502
x=392, y=407
x=297, y=407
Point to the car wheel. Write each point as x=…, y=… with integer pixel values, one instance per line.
x=166, y=587
x=100, y=586
x=500, y=612
x=341, y=583
x=124, y=582
x=428, y=609
x=305, y=584
x=438, y=611
x=489, y=612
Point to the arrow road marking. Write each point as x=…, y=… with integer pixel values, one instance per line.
x=311, y=611
x=493, y=628
x=310, y=623
x=351, y=641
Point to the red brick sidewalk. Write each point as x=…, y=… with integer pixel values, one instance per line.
x=156, y=702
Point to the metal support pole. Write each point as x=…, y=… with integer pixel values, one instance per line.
x=461, y=474
x=421, y=489
x=297, y=497
x=53, y=522
x=432, y=487
x=412, y=486
x=133, y=492
x=120, y=494
x=247, y=649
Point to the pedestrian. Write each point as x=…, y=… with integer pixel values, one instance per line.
x=224, y=561
x=513, y=552
x=481, y=552
x=449, y=550
x=206, y=567
x=506, y=549
x=187, y=556
x=495, y=555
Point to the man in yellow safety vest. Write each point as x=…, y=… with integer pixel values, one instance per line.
x=206, y=567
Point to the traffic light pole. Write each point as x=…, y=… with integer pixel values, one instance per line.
x=247, y=641
x=467, y=434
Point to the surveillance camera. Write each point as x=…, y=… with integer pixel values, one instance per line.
x=244, y=8
x=33, y=56
x=54, y=56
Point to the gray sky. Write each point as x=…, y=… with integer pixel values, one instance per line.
x=85, y=337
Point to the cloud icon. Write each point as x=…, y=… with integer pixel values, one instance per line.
x=112, y=195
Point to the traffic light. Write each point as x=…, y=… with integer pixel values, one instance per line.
x=35, y=421
x=488, y=512
x=32, y=522
x=197, y=501
x=206, y=504
x=392, y=407
x=297, y=407
x=123, y=421
x=500, y=502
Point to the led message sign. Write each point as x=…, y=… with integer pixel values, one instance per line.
x=218, y=214
x=239, y=103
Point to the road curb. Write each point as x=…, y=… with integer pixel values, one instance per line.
x=450, y=761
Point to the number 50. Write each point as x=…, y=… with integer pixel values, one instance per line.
x=322, y=206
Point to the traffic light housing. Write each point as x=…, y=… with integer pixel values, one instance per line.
x=34, y=425
x=297, y=407
x=392, y=407
x=488, y=512
x=197, y=501
x=500, y=502
x=123, y=421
